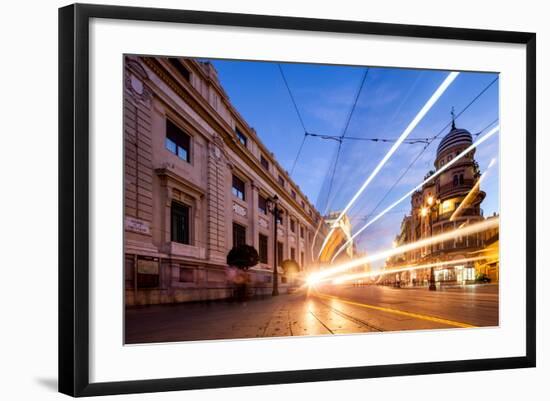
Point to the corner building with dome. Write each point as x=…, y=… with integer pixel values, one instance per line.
x=450, y=201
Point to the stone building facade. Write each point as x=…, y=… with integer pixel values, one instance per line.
x=450, y=201
x=197, y=178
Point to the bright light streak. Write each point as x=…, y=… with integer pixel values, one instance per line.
x=408, y=194
x=312, y=279
x=350, y=277
x=464, y=231
x=412, y=125
x=468, y=199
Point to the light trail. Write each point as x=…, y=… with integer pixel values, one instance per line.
x=349, y=277
x=412, y=125
x=464, y=231
x=468, y=199
x=408, y=194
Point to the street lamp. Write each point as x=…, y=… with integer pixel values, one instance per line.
x=428, y=211
x=272, y=204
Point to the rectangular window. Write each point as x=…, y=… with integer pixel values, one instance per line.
x=293, y=254
x=280, y=218
x=187, y=275
x=241, y=137
x=292, y=226
x=281, y=180
x=264, y=162
x=239, y=235
x=302, y=260
x=263, y=248
x=303, y=205
x=301, y=232
x=179, y=214
x=279, y=253
x=262, y=204
x=148, y=272
x=180, y=67
x=238, y=188
x=293, y=194
x=177, y=141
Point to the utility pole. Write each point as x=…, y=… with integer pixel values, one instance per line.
x=273, y=206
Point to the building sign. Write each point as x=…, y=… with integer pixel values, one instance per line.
x=136, y=225
x=238, y=209
x=148, y=265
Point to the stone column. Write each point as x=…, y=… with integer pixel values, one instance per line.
x=215, y=225
x=253, y=216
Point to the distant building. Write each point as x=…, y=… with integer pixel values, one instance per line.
x=341, y=236
x=197, y=179
x=440, y=206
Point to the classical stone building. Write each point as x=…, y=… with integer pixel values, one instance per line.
x=452, y=200
x=197, y=180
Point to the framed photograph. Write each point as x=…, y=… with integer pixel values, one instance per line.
x=252, y=199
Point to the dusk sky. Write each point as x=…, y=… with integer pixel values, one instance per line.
x=389, y=99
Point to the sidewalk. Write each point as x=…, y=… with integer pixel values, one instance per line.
x=284, y=315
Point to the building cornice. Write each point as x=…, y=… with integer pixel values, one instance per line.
x=190, y=95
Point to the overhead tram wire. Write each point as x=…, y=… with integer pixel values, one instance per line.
x=341, y=137
x=427, y=106
x=299, y=118
x=432, y=139
x=337, y=138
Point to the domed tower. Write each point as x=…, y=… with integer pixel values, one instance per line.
x=458, y=180
x=457, y=197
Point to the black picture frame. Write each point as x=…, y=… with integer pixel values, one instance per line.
x=74, y=198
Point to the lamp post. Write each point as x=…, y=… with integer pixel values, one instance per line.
x=273, y=207
x=432, y=207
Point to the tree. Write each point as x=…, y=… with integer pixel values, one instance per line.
x=243, y=257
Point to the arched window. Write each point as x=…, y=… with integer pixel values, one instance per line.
x=455, y=180
x=461, y=179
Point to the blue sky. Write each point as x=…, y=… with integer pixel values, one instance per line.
x=390, y=98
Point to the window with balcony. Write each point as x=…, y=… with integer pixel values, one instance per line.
x=177, y=141
x=179, y=216
x=238, y=188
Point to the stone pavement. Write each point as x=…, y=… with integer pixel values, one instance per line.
x=333, y=311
